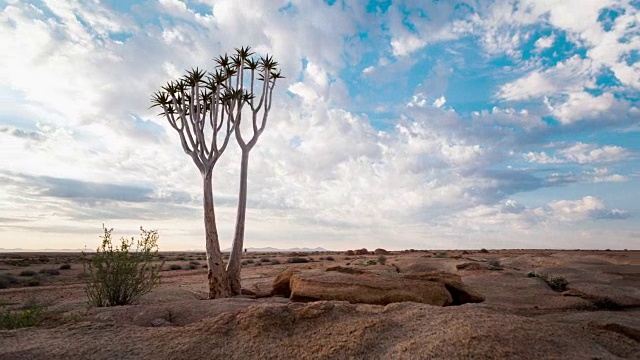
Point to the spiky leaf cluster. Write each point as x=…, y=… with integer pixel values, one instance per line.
x=206, y=107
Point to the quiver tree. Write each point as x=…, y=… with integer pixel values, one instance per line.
x=267, y=74
x=205, y=109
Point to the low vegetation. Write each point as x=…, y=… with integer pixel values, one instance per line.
x=296, y=260
x=65, y=266
x=7, y=280
x=52, y=272
x=15, y=319
x=556, y=283
x=119, y=275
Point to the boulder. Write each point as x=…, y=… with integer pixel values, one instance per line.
x=350, y=253
x=281, y=283
x=362, y=251
x=460, y=293
x=380, y=252
x=366, y=289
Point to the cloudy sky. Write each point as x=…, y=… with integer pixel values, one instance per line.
x=415, y=124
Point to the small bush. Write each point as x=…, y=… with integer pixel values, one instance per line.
x=250, y=261
x=275, y=261
x=7, y=280
x=296, y=260
x=495, y=265
x=175, y=267
x=484, y=251
x=382, y=259
x=556, y=283
x=330, y=258
x=440, y=255
x=33, y=282
x=49, y=272
x=190, y=266
x=20, y=318
x=65, y=266
x=28, y=273
x=265, y=260
x=194, y=263
x=118, y=276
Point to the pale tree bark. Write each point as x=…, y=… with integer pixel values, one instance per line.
x=216, y=274
x=205, y=113
x=258, y=124
x=204, y=123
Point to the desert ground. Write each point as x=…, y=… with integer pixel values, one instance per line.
x=516, y=314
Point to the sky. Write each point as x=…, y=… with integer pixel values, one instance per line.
x=408, y=124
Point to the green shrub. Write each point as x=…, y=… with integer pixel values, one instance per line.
x=65, y=266
x=495, y=265
x=175, y=267
x=20, y=318
x=556, y=283
x=382, y=259
x=296, y=260
x=275, y=261
x=49, y=272
x=118, y=276
x=370, y=262
x=28, y=273
x=34, y=281
x=440, y=255
x=7, y=280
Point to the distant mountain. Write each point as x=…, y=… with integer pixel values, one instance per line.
x=46, y=250
x=271, y=249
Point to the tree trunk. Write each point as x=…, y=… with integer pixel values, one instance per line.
x=233, y=267
x=218, y=283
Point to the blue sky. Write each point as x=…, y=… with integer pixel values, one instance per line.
x=415, y=124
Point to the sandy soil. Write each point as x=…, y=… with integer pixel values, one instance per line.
x=597, y=317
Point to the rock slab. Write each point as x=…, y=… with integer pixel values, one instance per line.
x=366, y=289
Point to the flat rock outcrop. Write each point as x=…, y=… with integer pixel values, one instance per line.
x=366, y=289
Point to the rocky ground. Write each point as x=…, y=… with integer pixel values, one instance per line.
x=504, y=313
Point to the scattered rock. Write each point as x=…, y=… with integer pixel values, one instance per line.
x=460, y=293
x=366, y=289
x=281, y=283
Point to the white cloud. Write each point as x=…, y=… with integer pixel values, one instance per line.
x=545, y=42
x=604, y=175
x=439, y=102
x=541, y=158
x=582, y=105
x=566, y=77
x=321, y=174
x=406, y=45
x=588, y=153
